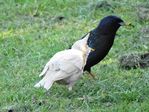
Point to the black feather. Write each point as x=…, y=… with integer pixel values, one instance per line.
x=101, y=39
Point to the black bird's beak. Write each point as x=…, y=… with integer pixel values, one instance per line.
x=122, y=23
x=126, y=24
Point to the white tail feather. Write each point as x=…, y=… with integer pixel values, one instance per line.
x=48, y=85
x=45, y=82
x=45, y=69
x=50, y=78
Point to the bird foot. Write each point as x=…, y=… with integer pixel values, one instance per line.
x=92, y=75
x=70, y=88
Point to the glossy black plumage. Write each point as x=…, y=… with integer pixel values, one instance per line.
x=101, y=39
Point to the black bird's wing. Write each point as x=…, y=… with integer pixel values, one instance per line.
x=102, y=44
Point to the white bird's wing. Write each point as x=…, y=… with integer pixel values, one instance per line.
x=61, y=65
x=70, y=60
x=64, y=60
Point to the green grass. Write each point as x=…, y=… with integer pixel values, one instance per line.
x=30, y=34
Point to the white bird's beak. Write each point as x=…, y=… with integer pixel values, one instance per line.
x=92, y=49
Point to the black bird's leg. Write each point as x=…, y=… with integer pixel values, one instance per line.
x=92, y=75
x=89, y=73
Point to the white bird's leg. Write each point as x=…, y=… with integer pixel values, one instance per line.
x=70, y=86
x=73, y=79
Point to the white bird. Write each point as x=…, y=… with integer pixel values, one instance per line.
x=66, y=66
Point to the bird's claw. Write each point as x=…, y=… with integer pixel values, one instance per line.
x=92, y=75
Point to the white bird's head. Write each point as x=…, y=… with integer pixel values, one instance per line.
x=81, y=45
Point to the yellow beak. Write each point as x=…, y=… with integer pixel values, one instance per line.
x=126, y=24
x=92, y=49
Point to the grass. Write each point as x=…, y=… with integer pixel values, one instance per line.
x=31, y=33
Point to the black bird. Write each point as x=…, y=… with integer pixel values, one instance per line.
x=101, y=39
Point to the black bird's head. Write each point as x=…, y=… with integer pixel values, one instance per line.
x=109, y=25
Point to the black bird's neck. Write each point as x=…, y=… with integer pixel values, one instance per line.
x=97, y=36
x=105, y=31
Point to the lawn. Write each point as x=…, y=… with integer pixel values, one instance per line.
x=32, y=31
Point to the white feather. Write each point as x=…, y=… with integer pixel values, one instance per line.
x=65, y=65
